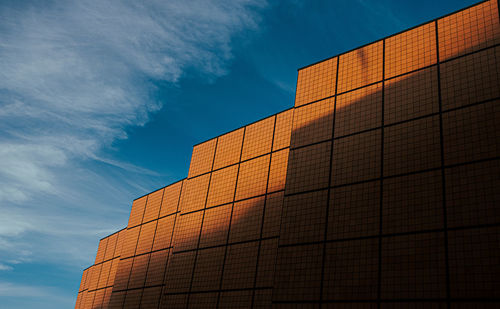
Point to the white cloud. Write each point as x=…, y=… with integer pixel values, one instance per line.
x=16, y=290
x=32, y=296
x=5, y=267
x=73, y=76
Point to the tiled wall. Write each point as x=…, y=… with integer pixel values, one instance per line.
x=379, y=189
x=390, y=194
x=224, y=246
x=209, y=239
x=148, y=243
x=97, y=281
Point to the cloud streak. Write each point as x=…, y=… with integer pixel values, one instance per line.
x=32, y=296
x=74, y=75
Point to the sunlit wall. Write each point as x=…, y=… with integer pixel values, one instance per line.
x=379, y=188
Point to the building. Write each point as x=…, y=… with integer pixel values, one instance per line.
x=379, y=188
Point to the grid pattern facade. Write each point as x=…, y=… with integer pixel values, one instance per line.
x=379, y=189
x=97, y=281
x=390, y=198
x=225, y=246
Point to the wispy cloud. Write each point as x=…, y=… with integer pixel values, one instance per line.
x=32, y=296
x=74, y=75
x=16, y=290
x=5, y=267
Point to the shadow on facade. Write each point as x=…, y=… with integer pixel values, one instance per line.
x=370, y=218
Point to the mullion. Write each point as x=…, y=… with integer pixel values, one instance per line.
x=170, y=246
x=227, y=244
x=397, y=175
x=100, y=272
x=220, y=291
x=242, y=161
x=152, y=243
x=263, y=215
x=201, y=226
x=381, y=193
x=440, y=230
x=443, y=176
x=330, y=179
x=135, y=251
x=230, y=218
x=397, y=123
x=229, y=203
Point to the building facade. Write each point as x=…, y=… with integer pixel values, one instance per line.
x=380, y=188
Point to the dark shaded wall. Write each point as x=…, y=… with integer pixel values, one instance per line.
x=392, y=192
x=209, y=240
x=391, y=163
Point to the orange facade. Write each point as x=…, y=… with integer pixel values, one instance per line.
x=379, y=188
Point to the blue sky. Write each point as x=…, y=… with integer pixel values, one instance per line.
x=101, y=102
